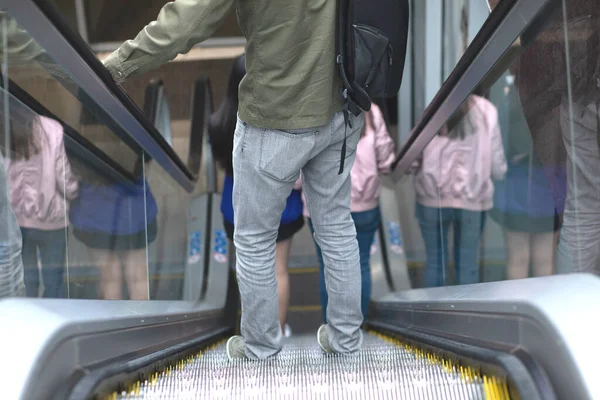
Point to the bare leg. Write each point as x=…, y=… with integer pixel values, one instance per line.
x=543, y=252
x=111, y=276
x=136, y=273
x=517, y=244
x=282, y=258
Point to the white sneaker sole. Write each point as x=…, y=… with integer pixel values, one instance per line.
x=227, y=348
x=324, y=348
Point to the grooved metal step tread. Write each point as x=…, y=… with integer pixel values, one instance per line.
x=383, y=369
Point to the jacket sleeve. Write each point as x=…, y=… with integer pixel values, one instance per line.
x=66, y=183
x=180, y=25
x=498, y=159
x=385, y=149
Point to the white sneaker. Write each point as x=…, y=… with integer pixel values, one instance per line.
x=287, y=331
x=236, y=348
x=323, y=339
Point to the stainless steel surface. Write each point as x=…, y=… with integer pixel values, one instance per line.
x=382, y=369
x=37, y=25
x=210, y=166
x=63, y=336
x=550, y=318
x=517, y=19
x=393, y=237
x=219, y=262
x=196, y=248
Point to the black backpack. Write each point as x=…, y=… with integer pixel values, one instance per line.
x=371, y=49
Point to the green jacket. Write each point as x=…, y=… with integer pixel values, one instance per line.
x=291, y=81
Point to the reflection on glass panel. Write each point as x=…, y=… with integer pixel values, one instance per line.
x=167, y=253
x=77, y=212
x=455, y=35
x=462, y=20
x=40, y=185
x=34, y=71
x=509, y=188
x=178, y=79
x=454, y=190
x=11, y=265
x=111, y=222
x=524, y=207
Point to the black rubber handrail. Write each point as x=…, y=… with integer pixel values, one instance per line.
x=481, y=39
x=202, y=107
x=84, y=51
x=151, y=98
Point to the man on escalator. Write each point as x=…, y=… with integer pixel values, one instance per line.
x=289, y=120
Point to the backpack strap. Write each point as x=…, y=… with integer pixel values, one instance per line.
x=349, y=107
x=347, y=123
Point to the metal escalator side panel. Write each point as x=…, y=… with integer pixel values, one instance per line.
x=380, y=286
x=217, y=273
x=545, y=318
x=63, y=339
x=197, y=228
x=203, y=108
x=392, y=239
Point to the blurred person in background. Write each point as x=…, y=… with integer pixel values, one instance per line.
x=453, y=185
x=558, y=80
x=117, y=221
x=523, y=201
x=41, y=188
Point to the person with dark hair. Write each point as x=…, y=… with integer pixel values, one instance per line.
x=221, y=131
x=41, y=188
x=291, y=118
x=453, y=184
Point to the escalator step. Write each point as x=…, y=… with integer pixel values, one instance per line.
x=384, y=369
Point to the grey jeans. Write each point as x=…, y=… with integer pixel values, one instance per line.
x=11, y=264
x=579, y=246
x=266, y=164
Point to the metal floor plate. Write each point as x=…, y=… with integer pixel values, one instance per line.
x=383, y=369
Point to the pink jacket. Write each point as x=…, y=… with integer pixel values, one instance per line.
x=42, y=186
x=457, y=173
x=374, y=155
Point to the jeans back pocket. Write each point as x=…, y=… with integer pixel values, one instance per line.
x=284, y=153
